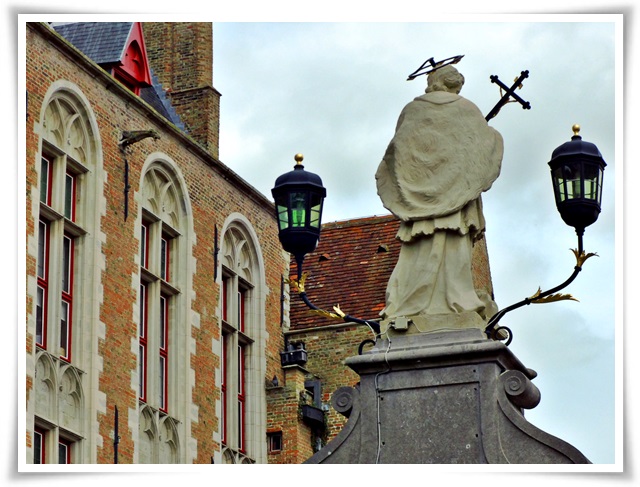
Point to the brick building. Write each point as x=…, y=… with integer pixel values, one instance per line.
x=157, y=314
x=153, y=270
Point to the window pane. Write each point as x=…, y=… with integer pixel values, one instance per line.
x=144, y=243
x=573, y=188
x=558, y=185
x=142, y=345
x=44, y=181
x=315, y=216
x=63, y=453
x=164, y=259
x=163, y=363
x=600, y=187
x=67, y=249
x=240, y=425
x=69, y=196
x=40, y=323
x=242, y=298
x=38, y=447
x=283, y=217
x=275, y=442
x=590, y=189
x=141, y=374
x=43, y=235
x=316, y=210
x=163, y=322
x=223, y=388
x=569, y=179
x=225, y=300
x=241, y=398
x=64, y=329
x=282, y=204
x=240, y=371
x=143, y=312
x=162, y=383
x=591, y=178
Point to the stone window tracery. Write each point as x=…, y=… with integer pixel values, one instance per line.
x=161, y=310
x=66, y=164
x=242, y=314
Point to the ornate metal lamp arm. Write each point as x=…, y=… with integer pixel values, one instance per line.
x=539, y=297
x=338, y=314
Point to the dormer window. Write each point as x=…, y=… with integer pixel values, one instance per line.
x=118, y=47
x=131, y=72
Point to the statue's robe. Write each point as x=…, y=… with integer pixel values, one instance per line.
x=442, y=157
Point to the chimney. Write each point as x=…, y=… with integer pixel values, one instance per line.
x=181, y=57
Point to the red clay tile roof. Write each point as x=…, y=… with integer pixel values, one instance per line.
x=350, y=268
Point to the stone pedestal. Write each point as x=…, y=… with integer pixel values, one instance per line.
x=449, y=397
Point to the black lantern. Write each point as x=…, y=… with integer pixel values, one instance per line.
x=299, y=196
x=576, y=171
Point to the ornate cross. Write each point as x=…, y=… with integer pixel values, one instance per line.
x=509, y=92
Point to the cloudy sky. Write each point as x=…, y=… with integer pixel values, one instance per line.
x=333, y=91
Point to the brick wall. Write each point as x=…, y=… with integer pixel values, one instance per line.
x=327, y=349
x=181, y=56
x=284, y=416
x=214, y=194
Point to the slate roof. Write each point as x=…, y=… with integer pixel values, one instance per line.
x=350, y=267
x=103, y=42
x=155, y=96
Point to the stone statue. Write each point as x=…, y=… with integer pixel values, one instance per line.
x=442, y=157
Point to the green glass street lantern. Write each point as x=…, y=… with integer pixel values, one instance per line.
x=577, y=168
x=576, y=171
x=299, y=196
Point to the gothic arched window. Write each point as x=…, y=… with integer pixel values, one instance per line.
x=163, y=310
x=242, y=344
x=68, y=191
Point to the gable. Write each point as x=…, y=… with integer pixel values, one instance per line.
x=134, y=59
x=118, y=47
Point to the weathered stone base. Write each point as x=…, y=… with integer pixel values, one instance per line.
x=449, y=397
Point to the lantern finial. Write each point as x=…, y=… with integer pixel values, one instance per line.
x=576, y=129
x=299, y=157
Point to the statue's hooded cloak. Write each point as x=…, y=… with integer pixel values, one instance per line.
x=442, y=156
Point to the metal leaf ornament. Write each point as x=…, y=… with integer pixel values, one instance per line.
x=551, y=298
x=581, y=257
